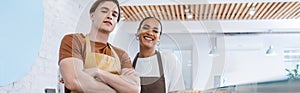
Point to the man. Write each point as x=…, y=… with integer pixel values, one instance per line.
x=88, y=63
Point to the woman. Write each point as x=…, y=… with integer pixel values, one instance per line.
x=159, y=72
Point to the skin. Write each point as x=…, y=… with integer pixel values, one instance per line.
x=79, y=79
x=148, y=36
x=104, y=20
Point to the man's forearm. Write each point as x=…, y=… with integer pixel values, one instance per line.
x=120, y=83
x=90, y=85
x=77, y=80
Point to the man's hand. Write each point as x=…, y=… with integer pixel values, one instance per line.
x=96, y=73
x=129, y=71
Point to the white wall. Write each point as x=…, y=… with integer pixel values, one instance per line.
x=242, y=59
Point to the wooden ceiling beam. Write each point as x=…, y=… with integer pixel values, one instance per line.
x=177, y=11
x=225, y=12
x=234, y=13
x=220, y=12
x=258, y=10
x=145, y=11
x=264, y=10
x=125, y=13
x=290, y=11
x=158, y=12
x=164, y=14
x=182, y=13
x=142, y=14
x=281, y=10
x=247, y=16
x=132, y=15
x=231, y=8
x=216, y=10
x=271, y=14
x=136, y=13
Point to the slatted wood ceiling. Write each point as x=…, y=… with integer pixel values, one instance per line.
x=228, y=11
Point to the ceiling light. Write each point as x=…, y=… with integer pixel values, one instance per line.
x=252, y=11
x=122, y=17
x=187, y=10
x=270, y=51
x=189, y=16
x=188, y=13
x=213, y=51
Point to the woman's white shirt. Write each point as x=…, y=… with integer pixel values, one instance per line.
x=148, y=67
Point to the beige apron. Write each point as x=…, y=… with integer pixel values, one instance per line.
x=101, y=61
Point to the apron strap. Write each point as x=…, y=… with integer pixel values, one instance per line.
x=161, y=70
x=88, y=53
x=135, y=59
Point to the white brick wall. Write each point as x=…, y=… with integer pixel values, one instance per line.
x=60, y=17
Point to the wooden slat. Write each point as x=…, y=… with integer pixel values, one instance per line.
x=154, y=11
x=173, y=12
x=136, y=13
x=206, y=11
x=125, y=13
x=163, y=12
x=234, y=13
x=239, y=12
x=248, y=13
x=230, y=10
x=149, y=11
x=210, y=12
x=168, y=12
x=270, y=15
x=290, y=11
x=145, y=11
x=225, y=11
x=222, y=6
x=258, y=9
x=158, y=12
x=181, y=9
x=142, y=13
x=245, y=11
x=296, y=14
x=270, y=10
x=177, y=12
x=131, y=16
x=216, y=10
x=192, y=11
x=264, y=10
x=285, y=10
x=201, y=11
x=197, y=12
x=281, y=10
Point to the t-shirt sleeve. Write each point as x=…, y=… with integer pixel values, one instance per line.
x=70, y=47
x=175, y=74
x=126, y=63
x=124, y=58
